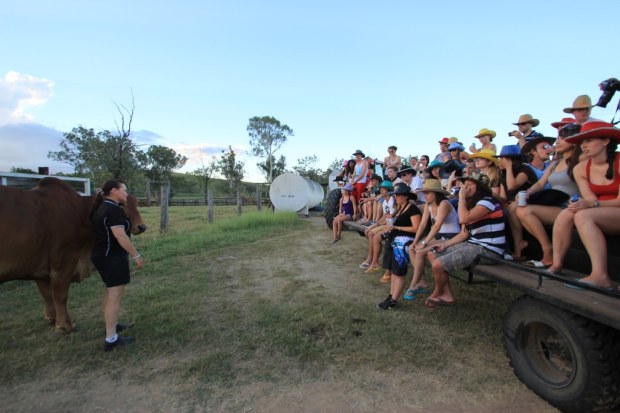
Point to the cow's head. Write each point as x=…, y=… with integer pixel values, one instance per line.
x=131, y=211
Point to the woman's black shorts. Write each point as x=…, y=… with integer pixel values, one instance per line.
x=114, y=271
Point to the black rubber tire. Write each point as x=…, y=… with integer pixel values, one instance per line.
x=332, y=206
x=568, y=360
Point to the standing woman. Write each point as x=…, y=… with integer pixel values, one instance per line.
x=110, y=256
x=347, y=211
x=598, y=212
x=360, y=174
x=392, y=159
x=402, y=231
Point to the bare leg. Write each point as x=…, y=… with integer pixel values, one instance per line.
x=533, y=218
x=442, y=281
x=589, y=223
x=111, y=306
x=396, y=286
x=562, y=236
x=516, y=229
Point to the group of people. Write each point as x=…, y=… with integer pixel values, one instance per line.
x=463, y=205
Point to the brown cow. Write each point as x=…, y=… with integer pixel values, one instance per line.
x=46, y=236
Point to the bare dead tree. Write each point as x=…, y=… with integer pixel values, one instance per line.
x=124, y=132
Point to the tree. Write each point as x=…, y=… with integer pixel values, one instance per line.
x=306, y=168
x=279, y=167
x=103, y=155
x=161, y=161
x=267, y=135
x=18, y=170
x=230, y=168
x=100, y=155
x=205, y=172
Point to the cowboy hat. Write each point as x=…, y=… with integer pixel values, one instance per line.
x=432, y=185
x=595, y=129
x=480, y=179
x=531, y=144
x=563, y=122
x=510, y=151
x=376, y=178
x=456, y=145
x=406, y=170
x=485, y=131
x=359, y=152
x=580, y=102
x=403, y=189
x=445, y=140
x=434, y=164
x=527, y=118
x=387, y=184
x=485, y=154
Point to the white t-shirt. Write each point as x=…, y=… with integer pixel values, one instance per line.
x=388, y=206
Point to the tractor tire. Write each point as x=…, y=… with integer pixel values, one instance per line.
x=568, y=360
x=332, y=206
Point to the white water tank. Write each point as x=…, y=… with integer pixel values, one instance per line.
x=333, y=184
x=292, y=192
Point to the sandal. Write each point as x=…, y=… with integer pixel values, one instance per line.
x=386, y=278
x=409, y=295
x=373, y=269
x=364, y=265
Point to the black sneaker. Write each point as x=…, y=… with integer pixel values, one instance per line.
x=387, y=304
x=120, y=341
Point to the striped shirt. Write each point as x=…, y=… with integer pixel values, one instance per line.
x=489, y=231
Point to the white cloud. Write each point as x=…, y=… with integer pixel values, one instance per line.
x=20, y=92
x=26, y=145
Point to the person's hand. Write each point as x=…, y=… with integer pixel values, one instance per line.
x=516, y=134
x=463, y=192
x=139, y=261
x=441, y=247
x=578, y=205
x=472, y=148
x=508, y=163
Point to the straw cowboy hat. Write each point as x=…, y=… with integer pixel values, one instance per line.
x=485, y=131
x=485, y=154
x=527, y=118
x=482, y=181
x=580, y=102
x=595, y=129
x=432, y=185
x=531, y=144
x=563, y=122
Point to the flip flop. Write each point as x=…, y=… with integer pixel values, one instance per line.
x=421, y=291
x=435, y=302
x=364, y=265
x=577, y=288
x=409, y=295
x=373, y=269
x=537, y=264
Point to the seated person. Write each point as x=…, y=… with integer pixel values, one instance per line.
x=485, y=136
x=516, y=177
x=482, y=233
x=487, y=163
x=444, y=225
x=376, y=230
x=598, y=212
x=534, y=217
x=366, y=204
x=405, y=224
x=347, y=211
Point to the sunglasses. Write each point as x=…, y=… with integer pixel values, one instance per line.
x=521, y=124
x=581, y=109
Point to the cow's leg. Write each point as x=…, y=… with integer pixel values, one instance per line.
x=46, y=292
x=60, y=293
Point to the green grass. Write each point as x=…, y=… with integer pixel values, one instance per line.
x=220, y=307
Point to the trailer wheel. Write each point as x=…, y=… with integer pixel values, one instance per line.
x=332, y=205
x=568, y=360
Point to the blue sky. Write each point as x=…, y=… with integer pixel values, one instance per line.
x=342, y=74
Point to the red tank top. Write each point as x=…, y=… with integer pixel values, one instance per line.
x=605, y=192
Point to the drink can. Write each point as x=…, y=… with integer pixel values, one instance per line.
x=390, y=221
x=574, y=198
x=522, y=198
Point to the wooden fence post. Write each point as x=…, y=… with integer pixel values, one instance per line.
x=148, y=192
x=163, y=221
x=259, y=204
x=210, y=203
x=239, y=203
